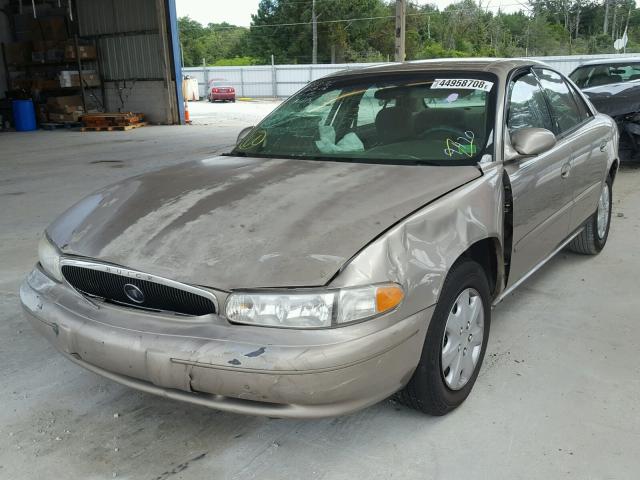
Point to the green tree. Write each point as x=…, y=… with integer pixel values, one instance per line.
x=364, y=30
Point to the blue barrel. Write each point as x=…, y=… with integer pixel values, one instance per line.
x=24, y=115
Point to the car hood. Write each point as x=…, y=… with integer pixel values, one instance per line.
x=231, y=222
x=616, y=98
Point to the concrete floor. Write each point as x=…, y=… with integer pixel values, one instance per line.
x=557, y=396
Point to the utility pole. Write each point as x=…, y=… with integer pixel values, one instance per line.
x=613, y=22
x=606, y=16
x=401, y=22
x=314, y=21
x=625, y=38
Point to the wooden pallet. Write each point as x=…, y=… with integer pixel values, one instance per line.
x=57, y=125
x=112, y=128
x=112, y=118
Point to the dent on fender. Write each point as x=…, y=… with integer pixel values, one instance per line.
x=418, y=252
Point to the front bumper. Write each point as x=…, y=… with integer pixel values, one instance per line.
x=243, y=369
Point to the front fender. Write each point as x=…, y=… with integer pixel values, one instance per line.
x=418, y=252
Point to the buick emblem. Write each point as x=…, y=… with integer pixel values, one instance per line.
x=133, y=293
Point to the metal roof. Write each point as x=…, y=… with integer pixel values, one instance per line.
x=499, y=66
x=611, y=61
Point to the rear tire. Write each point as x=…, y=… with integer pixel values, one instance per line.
x=433, y=389
x=596, y=231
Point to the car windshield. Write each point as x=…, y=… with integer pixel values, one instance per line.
x=443, y=118
x=596, y=75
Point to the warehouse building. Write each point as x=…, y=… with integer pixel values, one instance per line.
x=72, y=57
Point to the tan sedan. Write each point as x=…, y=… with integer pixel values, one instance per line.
x=350, y=247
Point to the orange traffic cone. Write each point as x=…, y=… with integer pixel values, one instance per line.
x=187, y=118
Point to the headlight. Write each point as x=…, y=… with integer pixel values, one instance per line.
x=312, y=308
x=49, y=258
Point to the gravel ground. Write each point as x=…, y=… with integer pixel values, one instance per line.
x=241, y=113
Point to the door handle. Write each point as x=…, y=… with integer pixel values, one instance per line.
x=565, y=170
x=603, y=146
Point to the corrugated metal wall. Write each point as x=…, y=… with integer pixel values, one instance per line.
x=134, y=55
x=284, y=80
x=131, y=57
x=99, y=17
x=128, y=38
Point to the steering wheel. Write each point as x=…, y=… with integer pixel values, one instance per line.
x=455, y=132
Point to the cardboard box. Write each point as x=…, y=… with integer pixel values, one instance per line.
x=65, y=117
x=44, y=84
x=67, y=104
x=18, y=53
x=53, y=28
x=85, y=52
x=71, y=78
x=47, y=51
x=44, y=45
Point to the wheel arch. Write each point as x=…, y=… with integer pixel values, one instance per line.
x=488, y=253
x=613, y=170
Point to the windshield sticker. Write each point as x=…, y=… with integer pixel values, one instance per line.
x=465, y=83
x=254, y=139
x=461, y=145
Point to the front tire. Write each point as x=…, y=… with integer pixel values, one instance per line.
x=594, y=236
x=455, y=344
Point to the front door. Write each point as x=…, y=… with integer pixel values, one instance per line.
x=542, y=195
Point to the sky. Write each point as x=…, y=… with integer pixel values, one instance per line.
x=238, y=12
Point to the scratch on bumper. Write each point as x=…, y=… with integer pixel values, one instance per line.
x=296, y=374
x=292, y=372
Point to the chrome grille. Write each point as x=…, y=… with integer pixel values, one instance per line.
x=109, y=284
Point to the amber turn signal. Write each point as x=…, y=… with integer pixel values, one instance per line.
x=388, y=297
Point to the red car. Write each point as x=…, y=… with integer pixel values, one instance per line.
x=222, y=93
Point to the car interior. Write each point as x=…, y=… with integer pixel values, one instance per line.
x=598, y=75
x=405, y=121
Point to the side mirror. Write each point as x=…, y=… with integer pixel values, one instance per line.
x=532, y=141
x=243, y=133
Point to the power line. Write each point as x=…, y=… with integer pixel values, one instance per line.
x=359, y=19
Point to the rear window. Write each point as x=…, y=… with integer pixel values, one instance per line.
x=596, y=75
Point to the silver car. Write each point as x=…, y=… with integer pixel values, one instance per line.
x=349, y=248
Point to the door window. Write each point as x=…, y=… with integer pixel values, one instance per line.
x=585, y=113
x=563, y=106
x=527, y=106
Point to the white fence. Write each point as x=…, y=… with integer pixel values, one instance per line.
x=284, y=80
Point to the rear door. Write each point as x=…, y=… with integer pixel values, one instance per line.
x=542, y=197
x=588, y=170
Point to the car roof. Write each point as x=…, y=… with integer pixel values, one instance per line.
x=609, y=61
x=499, y=66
